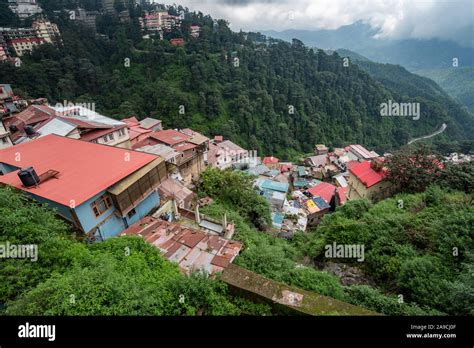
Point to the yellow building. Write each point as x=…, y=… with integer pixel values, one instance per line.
x=367, y=180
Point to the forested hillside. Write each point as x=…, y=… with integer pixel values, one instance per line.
x=458, y=82
x=279, y=98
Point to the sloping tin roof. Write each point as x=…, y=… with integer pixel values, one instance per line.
x=134, y=177
x=274, y=186
x=85, y=169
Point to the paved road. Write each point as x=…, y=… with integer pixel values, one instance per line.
x=439, y=131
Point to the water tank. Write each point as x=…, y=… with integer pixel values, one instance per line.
x=28, y=177
x=13, y=128
x=29, y=130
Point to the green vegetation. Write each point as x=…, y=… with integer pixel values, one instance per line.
x=414, y=168
x=416, y=245
x=458, y=82
x=121, y=276
x=247, y=101
x=235, y=189
x=393, y=239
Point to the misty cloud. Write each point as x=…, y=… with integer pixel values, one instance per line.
x=398, y=19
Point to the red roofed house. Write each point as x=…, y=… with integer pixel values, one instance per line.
x=75, y=122
x=192, y=250
x=271, y=162
x=366, y=180
x=23, y=45
x=177, y=42
x=100, y=189
x=191, y=148
x=324, y=190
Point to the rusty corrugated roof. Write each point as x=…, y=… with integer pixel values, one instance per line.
x=191, y=249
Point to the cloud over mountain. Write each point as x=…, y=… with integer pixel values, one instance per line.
x=401, y=19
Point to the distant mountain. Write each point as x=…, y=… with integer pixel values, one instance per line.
x=350, y=54
x=279, y=99
x=410, y=85
x=430, y=58
x=457, y=82
x=359, y=37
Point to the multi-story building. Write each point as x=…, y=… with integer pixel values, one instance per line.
x=4, y=52
x=7, y=102
x=168, y=22
x=101, y=190
x=22, y=46
x=225, y=154
x=5, y=140
x=24, y=8
x=47, y=31
x=158, y=21
x=76, y=122
x=194, y=31
x=111, y=7
x=17, y=33
x=367, y=180
x=22, y=40
x=88, y=18
x=184, y=151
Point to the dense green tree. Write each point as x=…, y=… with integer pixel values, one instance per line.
x=412, y=169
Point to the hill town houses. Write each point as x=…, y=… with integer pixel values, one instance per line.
x=110, y=177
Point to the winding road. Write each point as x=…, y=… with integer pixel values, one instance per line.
x=439, y=131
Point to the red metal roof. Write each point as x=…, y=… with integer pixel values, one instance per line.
x=85, y=169
x=135, y=132
x=170, y=136
x=324, y=190
x=30, y=39
x=351, y=163
x=190, y=248
x=177, y=42
x=97, y=133
x=33, y=114
x=85, y=124
x=361, y=151
x=131, y=121
x=269, y=160
x=286, y=168
x=341, y=192
x=365, y=174
x=184, y=147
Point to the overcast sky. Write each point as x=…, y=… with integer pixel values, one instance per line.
x=446, y=19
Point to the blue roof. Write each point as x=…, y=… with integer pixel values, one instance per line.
x=274, y=186
x=296, y=204
x=321, y=203
x=273, y=172
x=258, y=170
x=301, y=182
x=277, y=219
x=301, y=171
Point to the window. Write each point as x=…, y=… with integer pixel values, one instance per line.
x=121, y=132
x=101, y=205
x=131, y=213
x=111, y=136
